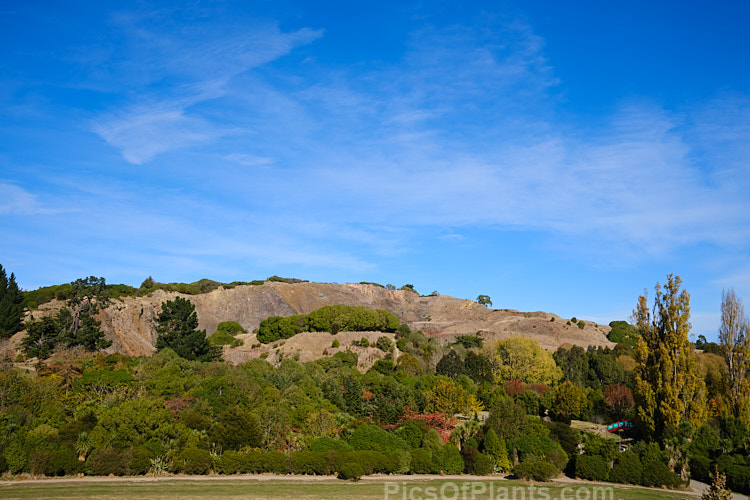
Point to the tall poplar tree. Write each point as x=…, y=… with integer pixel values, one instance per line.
x=668, y=388
x=735, y=349
x=11, y=305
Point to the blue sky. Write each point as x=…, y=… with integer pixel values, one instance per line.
x=557, y=156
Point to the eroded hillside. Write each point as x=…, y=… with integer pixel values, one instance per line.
x=129, y=321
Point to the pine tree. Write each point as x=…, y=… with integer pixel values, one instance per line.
x=78, y=323
x=11, y=305
x=177, y=326
x=668, y=388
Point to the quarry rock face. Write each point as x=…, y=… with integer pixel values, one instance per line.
x=129, y=321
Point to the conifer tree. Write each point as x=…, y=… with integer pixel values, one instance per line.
x=11, y=305
x=177, y=326
x=668, y=388
x=495, y=447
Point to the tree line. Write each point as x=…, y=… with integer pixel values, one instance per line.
x=427, y=407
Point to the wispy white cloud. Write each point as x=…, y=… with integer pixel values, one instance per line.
x=142, y=133
x=17, y=201
x=175, y=72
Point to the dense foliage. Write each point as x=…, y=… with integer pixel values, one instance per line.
x=177, y=326
x=470, y=406
x=331, y=319
x=75, y=325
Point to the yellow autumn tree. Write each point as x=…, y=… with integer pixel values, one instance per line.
x=448, y=397
x=735, y=348
x=668, y=388
x=522, y=359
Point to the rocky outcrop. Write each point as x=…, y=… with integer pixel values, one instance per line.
x=129, y=321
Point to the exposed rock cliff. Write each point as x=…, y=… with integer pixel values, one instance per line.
x=129, y=322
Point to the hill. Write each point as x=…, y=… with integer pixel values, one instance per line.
x=129, y=321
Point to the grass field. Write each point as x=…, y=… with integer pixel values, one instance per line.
x=369, y=488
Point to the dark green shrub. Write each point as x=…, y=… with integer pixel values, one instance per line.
x=371, y=437
x=400, y=462
x=39, y=462
x=140, y=463
x=372, y=462
x=230, y=462
x=656, y=472
x=273, y=461
x=530, y=400
x=558, y=458
x=581, y=324
x=384, y=366
x=449, y=460
x=476, y=463
x=384, y=344
x=350, y=470
x=592, y=467
x=536, y=471
x=236, y=428
x=325, y=444
x=421, y=461
x=103, y=462
x=195, y=420
x=412, y=432
x=738, y=478
x=627, y=469
x=623, y=333
x=193, y=461
x=566, y=436
x=309, y=462
x=3, y=463
x=530, y=447
x=64, y=462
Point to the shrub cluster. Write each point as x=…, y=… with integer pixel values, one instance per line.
x=328, y=319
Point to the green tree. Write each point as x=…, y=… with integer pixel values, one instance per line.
x=78, y=323
x=668, y=388
x=485, y=300
x=450, y=365
x=235, y=428
x=177, y=326
x=11, y=305
x=735, y=349
x=41, y=337
x=497, y=450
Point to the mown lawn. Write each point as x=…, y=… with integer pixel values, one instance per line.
x=367, y=489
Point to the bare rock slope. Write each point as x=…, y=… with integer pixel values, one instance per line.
x=129, y=322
